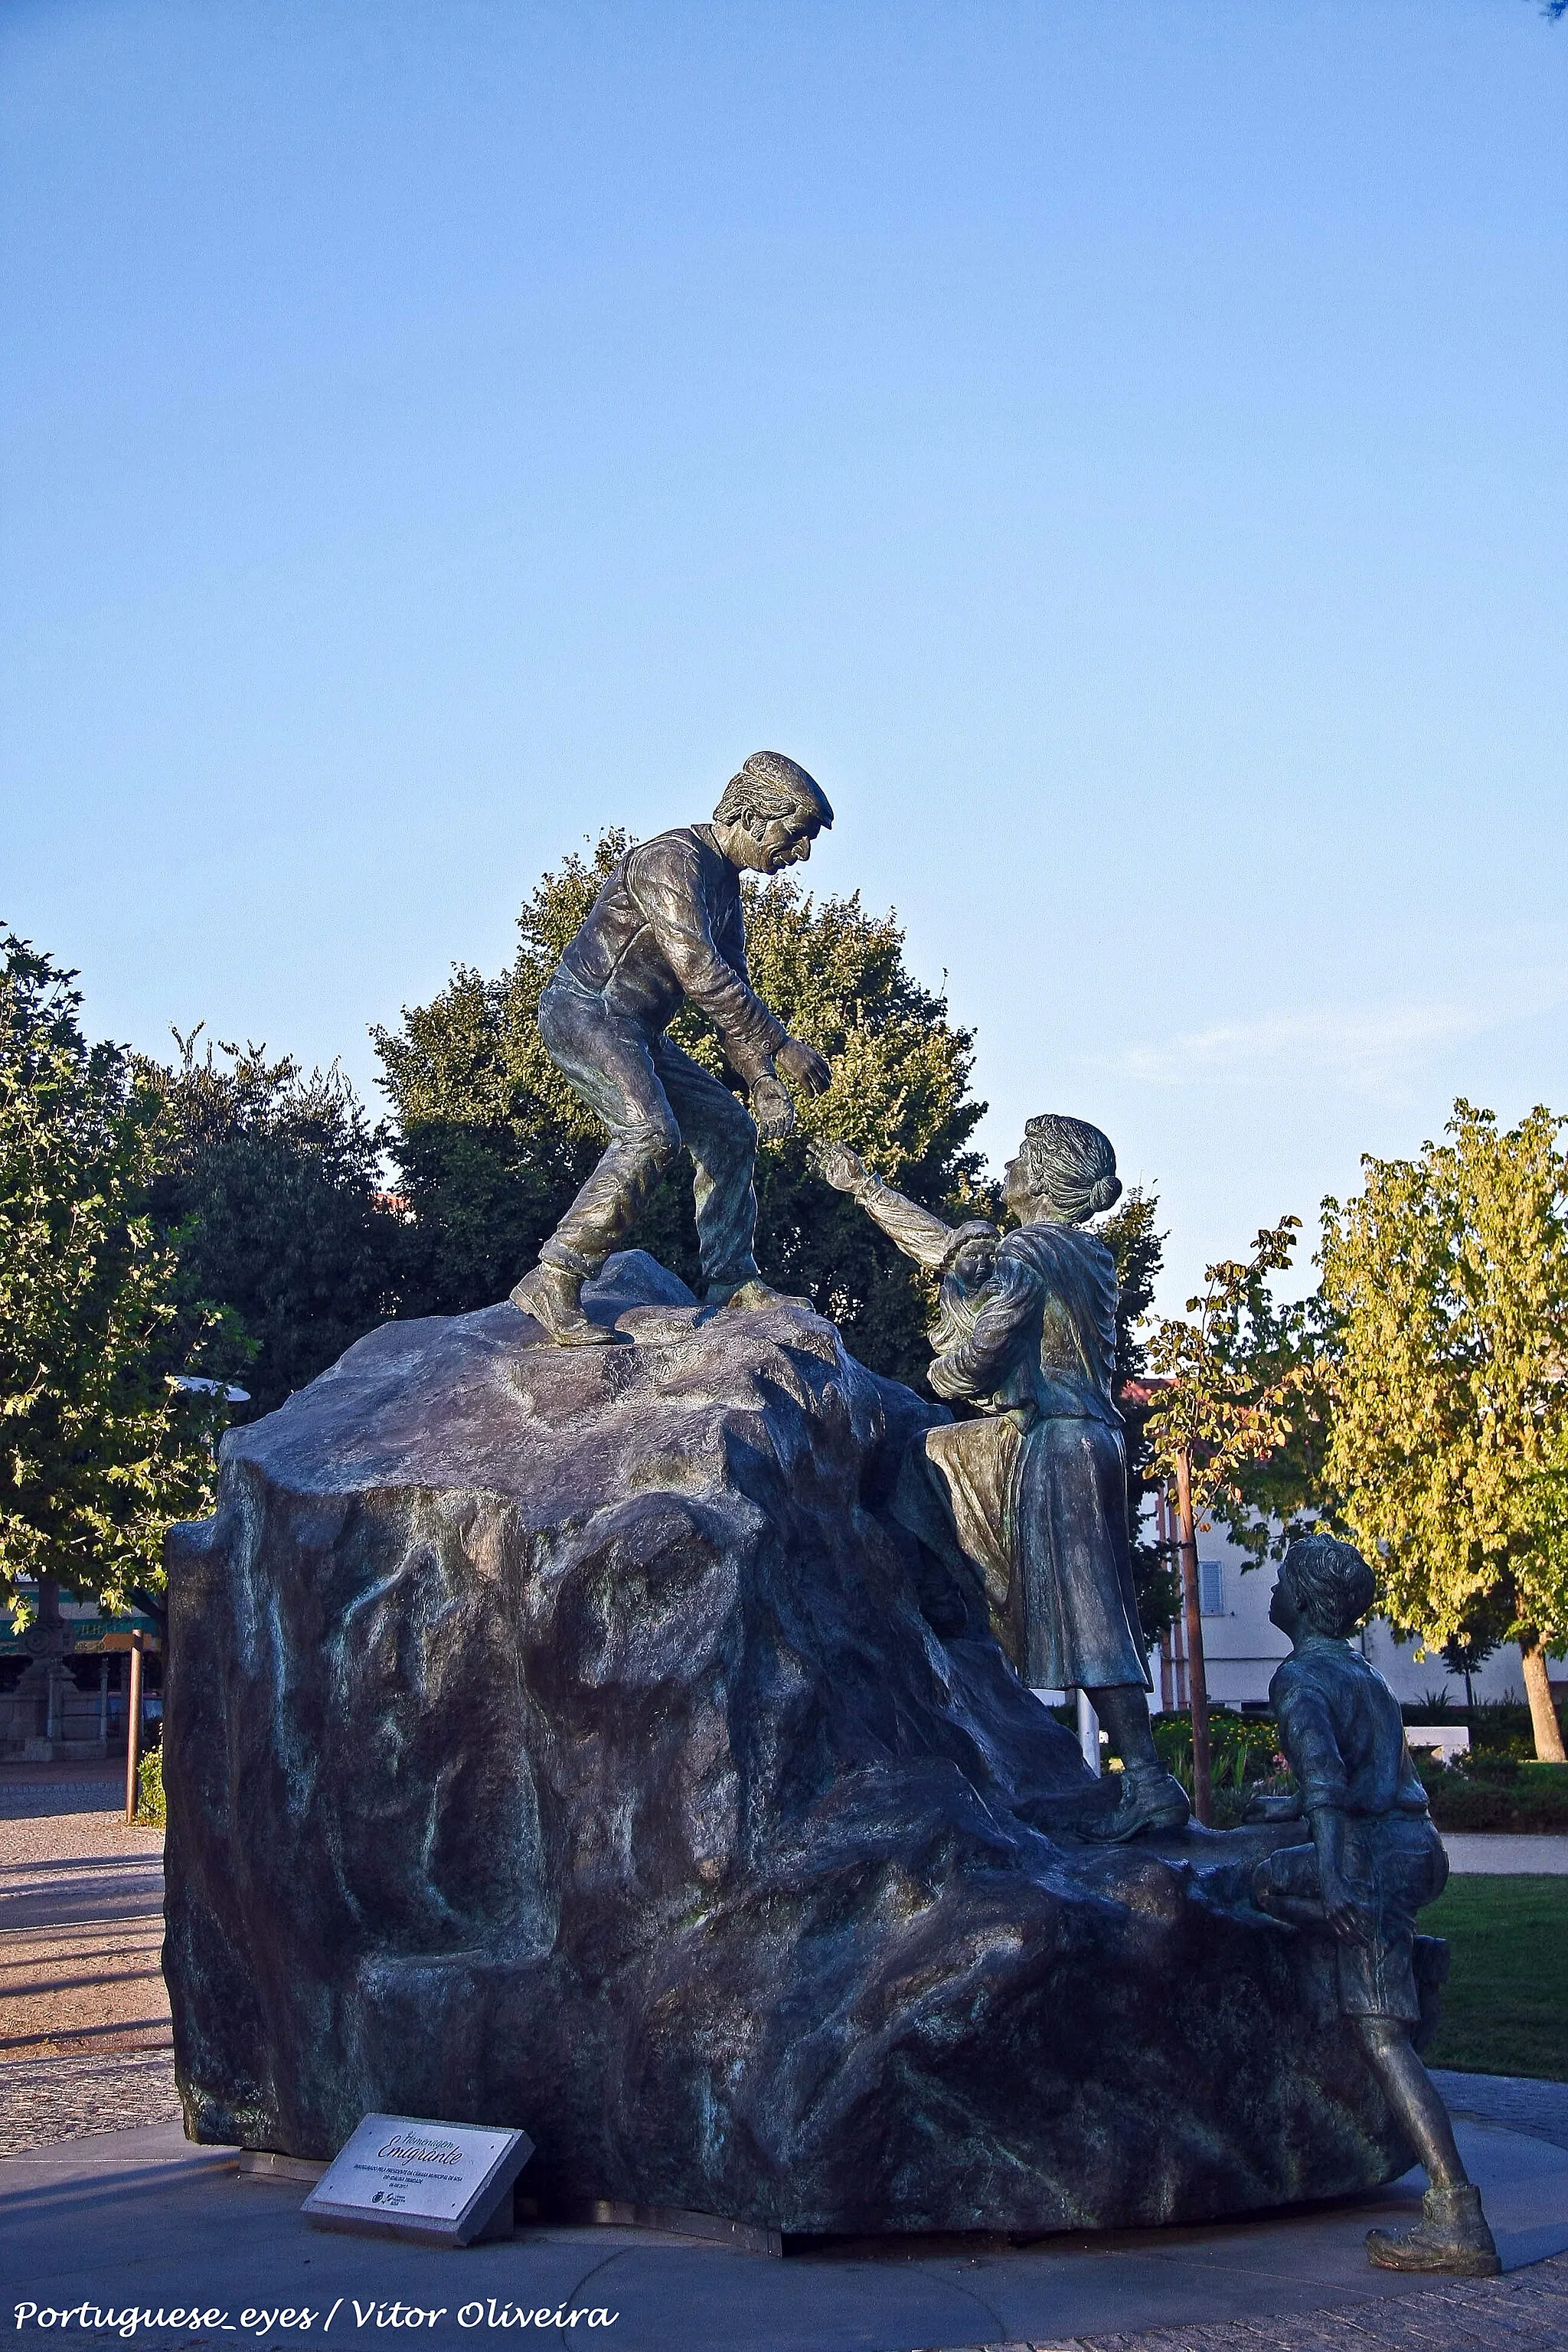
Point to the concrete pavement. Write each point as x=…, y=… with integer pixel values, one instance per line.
x=1503, y=1854
x=142, y=2218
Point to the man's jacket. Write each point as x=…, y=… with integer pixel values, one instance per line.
x=666, y=925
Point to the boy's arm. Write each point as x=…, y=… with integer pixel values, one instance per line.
x=1307, y=1736
x=1345, y=1915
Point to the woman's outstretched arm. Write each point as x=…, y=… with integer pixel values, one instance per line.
x=912, y=1229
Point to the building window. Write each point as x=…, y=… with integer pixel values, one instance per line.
x=1211, y=1588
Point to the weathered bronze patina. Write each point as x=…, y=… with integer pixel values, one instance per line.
x=1032, y=1496
x=563, y=1738
x=1374, y=1861
x=667, y=929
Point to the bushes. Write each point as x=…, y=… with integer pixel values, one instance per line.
x=150, y=1791
x=1491, y=1788
x=1496, y=1792
x=1497, y=1728
x=1242, y=1749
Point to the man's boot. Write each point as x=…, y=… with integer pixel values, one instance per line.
x=552, y=1294
x=753, y=1292
x=1451, y=2235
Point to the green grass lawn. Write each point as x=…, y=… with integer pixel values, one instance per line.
x=1505, y=2007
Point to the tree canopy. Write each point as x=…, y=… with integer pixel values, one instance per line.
x=269, y=1181
x=492, y=1142
x=1448, y=1280
x=99, y=1450
x=1130, y=1233
x=1245, y=1405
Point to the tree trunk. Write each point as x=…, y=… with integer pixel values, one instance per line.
x=1542, y=1714
x=1197, y=1681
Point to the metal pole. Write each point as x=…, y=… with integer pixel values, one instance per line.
x=1197, y=1682
x=133, y=1730
x=1088, y=1732
x=1168, y=1689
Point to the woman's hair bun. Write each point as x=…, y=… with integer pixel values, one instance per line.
x=1072, y=1164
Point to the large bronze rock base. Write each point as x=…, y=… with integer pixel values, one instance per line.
x=565, y=1738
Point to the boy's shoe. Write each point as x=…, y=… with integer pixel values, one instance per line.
x=1451, y=2235
x=1152, y=1803
x=552, y=1294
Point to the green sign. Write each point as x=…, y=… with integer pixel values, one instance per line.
x=87, y=1629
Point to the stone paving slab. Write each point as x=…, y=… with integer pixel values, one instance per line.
x=1530, y=2310
x=1515, y=2101
x=60, y=1794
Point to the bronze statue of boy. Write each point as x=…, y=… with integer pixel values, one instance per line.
x=667, y=929
x=1374, y=1860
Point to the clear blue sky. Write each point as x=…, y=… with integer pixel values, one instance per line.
x=1118, y=445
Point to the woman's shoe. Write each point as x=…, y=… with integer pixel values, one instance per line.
x=753, y=1294
x=1153, y=1802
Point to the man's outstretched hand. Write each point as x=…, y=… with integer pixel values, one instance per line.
x=771, y=1106
x=773, y=1110
x=805, y=1065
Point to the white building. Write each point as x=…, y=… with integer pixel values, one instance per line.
x=1241, y=1648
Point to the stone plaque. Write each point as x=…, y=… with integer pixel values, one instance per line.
x=405, y=2177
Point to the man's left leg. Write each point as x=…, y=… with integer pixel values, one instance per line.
x=722, y=1136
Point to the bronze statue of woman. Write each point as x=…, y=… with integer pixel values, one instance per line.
x=1032, y=1494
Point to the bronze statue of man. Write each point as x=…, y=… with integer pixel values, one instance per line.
x=667, y=929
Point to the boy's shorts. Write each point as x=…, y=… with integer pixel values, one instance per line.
x=1394, y=1863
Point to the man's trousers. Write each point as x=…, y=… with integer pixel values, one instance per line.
x=653, y=1098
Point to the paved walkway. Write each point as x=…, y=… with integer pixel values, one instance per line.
x=84, y=2015
x=1514, y=2101
x=1477, y=1854
x=1530, y=2310
x=81, y=1922
x=142, y=2218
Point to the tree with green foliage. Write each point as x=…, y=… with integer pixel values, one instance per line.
x=1237, y=1372
x=1448, y=1279
x=1244, y=1416
x=492, y=1142
x=1129, y=1235
x=1248, y=1402
x=99, y=1450
x=272, y=1183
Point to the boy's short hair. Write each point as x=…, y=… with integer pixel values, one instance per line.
x=1333, y=1584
